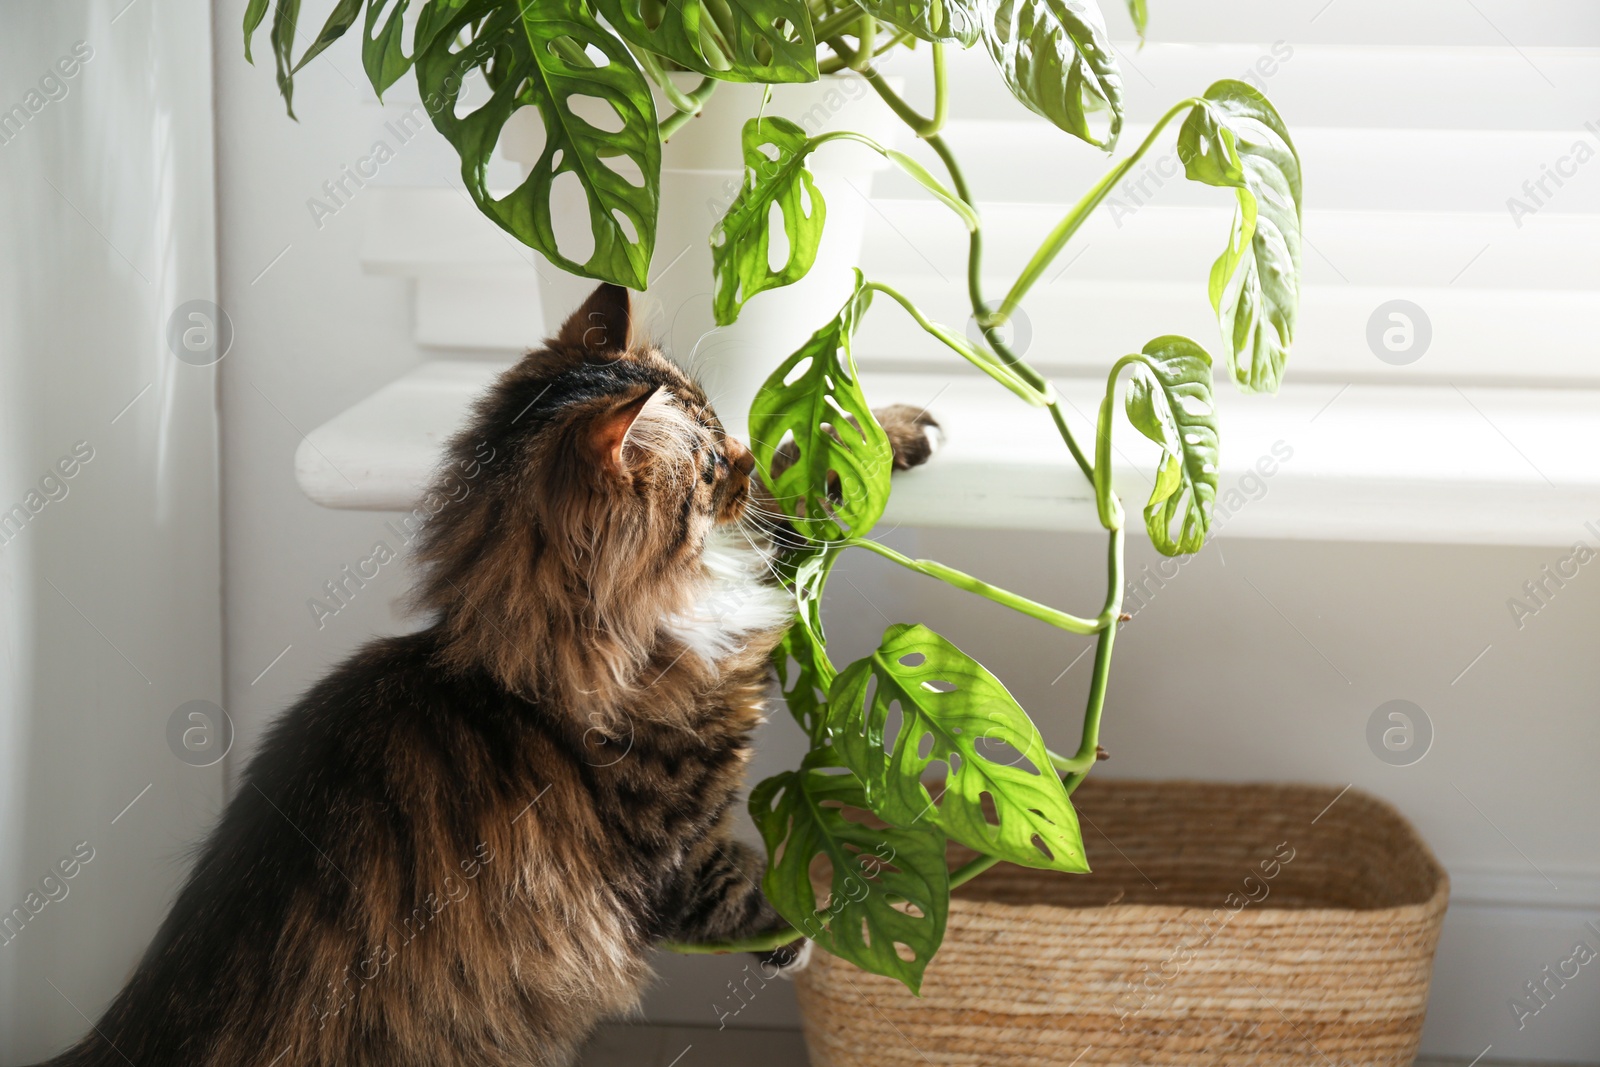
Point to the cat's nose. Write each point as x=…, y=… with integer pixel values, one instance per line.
x=742, y=460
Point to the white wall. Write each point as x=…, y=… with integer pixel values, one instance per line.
x=1210, y=680
x=110, y=605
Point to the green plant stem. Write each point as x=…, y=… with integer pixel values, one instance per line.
x=650, y=63
x=1075, y=218
x=838, y=22
x=1089, y=745
x=835, y=64
x=1106, y=502
x=971, y=869
x=866, y=31
x=922, y=127
x=912, y=168
x=958, y=181
x=950, y=576
x=971, y=353
x=702, y=92
x=760, y=943
x=941, y=89
x=975, y=243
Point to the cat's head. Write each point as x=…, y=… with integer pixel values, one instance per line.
x=574, y=508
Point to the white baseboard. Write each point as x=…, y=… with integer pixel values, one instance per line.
x=1503, y=929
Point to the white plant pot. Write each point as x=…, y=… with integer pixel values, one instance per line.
x=701, y=171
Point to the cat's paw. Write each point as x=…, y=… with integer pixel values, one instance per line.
x=913, y=434
x=788, y=961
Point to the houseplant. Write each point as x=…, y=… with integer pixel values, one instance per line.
x=887, y=900
x=888, y=895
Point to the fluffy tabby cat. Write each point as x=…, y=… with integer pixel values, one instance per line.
x=460, y=847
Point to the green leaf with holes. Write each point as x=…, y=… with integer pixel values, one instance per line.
x=550, y=56
x=888, y=886
x=775, y=178
x=1057, y=59
x=1236, y=139
x=839, y=481
x=952, y=710
x=383, y=45
x=931, y=20
x=1169, y=400
x=731, y=40
x=383, y=51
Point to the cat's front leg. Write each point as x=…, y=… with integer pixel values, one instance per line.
x=722, y=901
x=914, y=436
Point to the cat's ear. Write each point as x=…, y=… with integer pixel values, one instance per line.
x=609, y=432
x=602, y=325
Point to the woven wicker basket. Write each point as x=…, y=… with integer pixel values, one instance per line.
x=1224, y=924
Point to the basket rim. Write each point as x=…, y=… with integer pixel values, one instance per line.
x=1262, y=914
x=1257, y=914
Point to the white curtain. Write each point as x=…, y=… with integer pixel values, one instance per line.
x=110, y=613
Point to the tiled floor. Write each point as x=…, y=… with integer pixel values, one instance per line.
x=684, y=1046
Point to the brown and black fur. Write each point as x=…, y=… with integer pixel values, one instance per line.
x=460, y=847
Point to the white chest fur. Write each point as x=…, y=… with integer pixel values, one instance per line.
x=737, y=598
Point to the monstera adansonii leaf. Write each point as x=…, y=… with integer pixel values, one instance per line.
x=383, y=44
x=888, y=889
x=1001, y=796
x=1057, y=59
x=931, y=20
x=1169, y=400
x=382, y=52
x=553, y=56
x=838, y=483
x=1235, y=139
x=731, y=40
x=776, y=179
